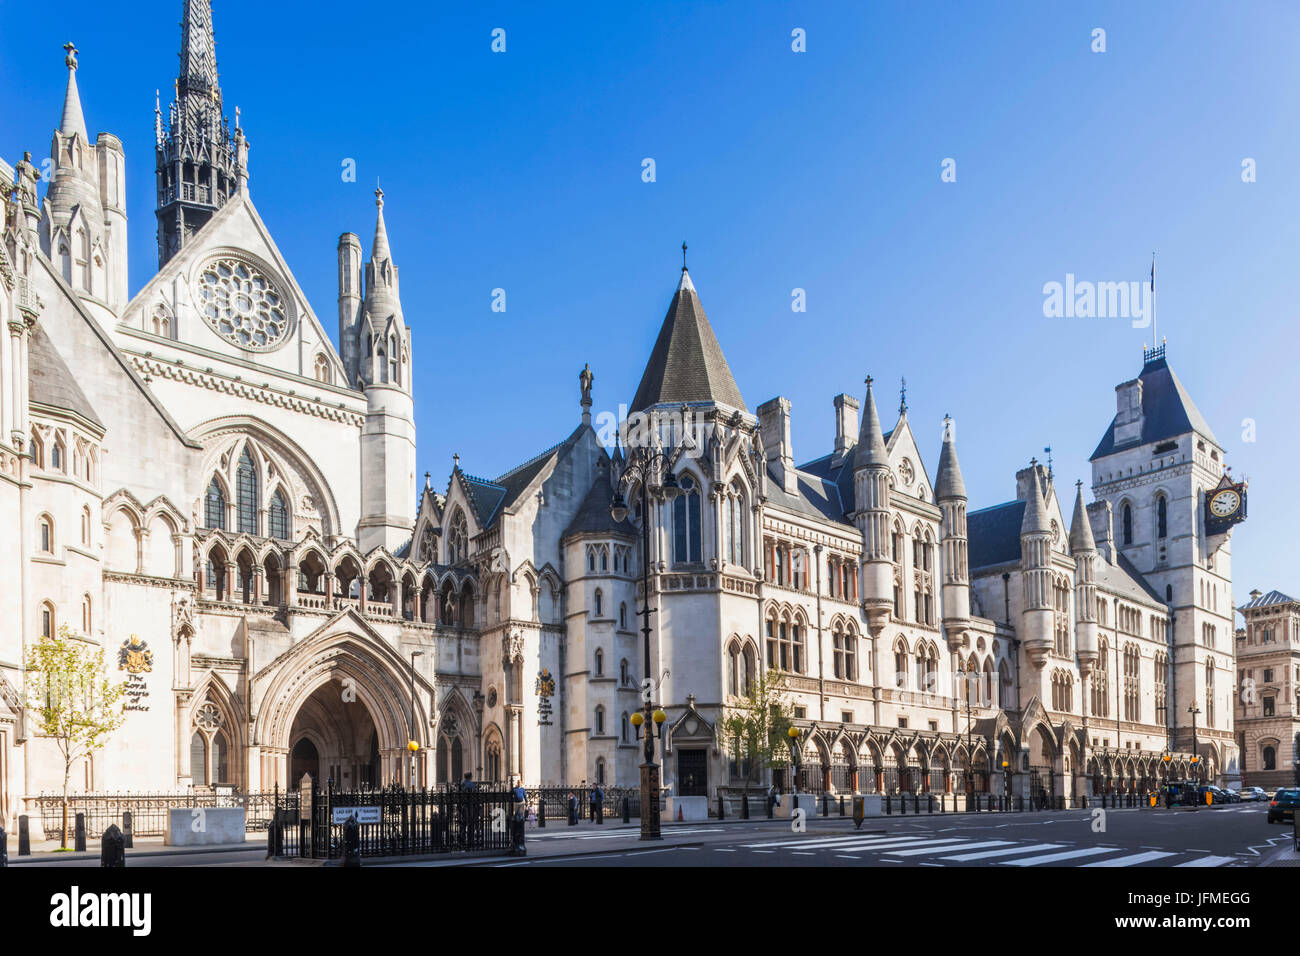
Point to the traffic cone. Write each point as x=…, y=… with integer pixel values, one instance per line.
x=680, y=818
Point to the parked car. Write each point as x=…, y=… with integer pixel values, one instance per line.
x=1216, y=795
x=1253, y=794
x=1283, y=805
x=1234, y=796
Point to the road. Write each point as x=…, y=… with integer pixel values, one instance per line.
x=1232, y=836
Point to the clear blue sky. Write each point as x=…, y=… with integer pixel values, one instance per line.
x=818, y=170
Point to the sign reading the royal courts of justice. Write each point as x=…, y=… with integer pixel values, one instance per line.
x=545, y=689
x=136, y=659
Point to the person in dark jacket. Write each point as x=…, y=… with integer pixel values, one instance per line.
x=573, y=809
x=598, y=803
x=468, y=783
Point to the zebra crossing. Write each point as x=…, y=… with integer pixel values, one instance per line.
x=613, y=833
x=958, y=851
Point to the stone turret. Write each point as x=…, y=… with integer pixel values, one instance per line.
x=1084, y=550
x=350, y=305
x=871, y=494
x=1037, y=622
x=388, y=437
x=950, y=495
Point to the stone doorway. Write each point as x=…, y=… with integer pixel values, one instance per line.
x=334, y=738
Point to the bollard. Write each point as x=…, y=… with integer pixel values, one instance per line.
x=841, y=804
x=722, y=810
x=771, y=802
x=1020, y=803
x=541, y=811
x=112, y=848
x=627, y=809
x=889, y=807
x=744, y=805
x=351, y=842
x=825, y=805
x=81, y=832
x=24, y=837
x=859, y=811
x=973, y=799
x=126, y=830
x=942, y=803
x=902, y=804
x=930, y=800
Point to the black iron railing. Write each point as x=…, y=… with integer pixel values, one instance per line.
x=149, y=811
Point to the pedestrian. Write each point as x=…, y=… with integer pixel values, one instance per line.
x=468, y=783
x=598, y=803
x=520, y=796
x=573, y=809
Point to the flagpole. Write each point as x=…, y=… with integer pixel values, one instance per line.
x=1155, y=325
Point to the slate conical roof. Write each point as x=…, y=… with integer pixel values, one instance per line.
x=1081, y=538
x=1035, y=518
x=379, y=250
x=948, y=482
x=870, y=449
x=686, y=364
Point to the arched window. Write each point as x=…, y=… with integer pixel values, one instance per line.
x=1128, y=523
x=622, y=615
x=687, y=546
x=246, y=492
x=85, y=525
x=624, y=675
x=85, y=616
x=600, y=719
x=322, y=369
x=604, y=559
x=37, y=451
x=393, y=356
x=1162, y=517
x=220, y=762
x=57, y=455
x=214, y=506
x=277, y=517
x=600, y=603
x=48, y=622
x=458, y=538
x=1269, y=758
x=733, y=670
x=45, y=534
x=600, y=662
x=600, y=771
x=622, y=732
x=735, y=511
x=747, y=675
x=199, y=759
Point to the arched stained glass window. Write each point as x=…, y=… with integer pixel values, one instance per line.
x=214, y=506
x=687, y=548
x=277, y=517
x=246, y=492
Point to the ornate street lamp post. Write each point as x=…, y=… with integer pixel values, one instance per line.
x=1196, y=757
x=965, y=677
x=412, y=745
x=644, y=467
x=795, y=747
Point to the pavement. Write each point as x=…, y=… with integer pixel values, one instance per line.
x=1230, y=836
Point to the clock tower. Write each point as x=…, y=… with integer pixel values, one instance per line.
x=1162, y=470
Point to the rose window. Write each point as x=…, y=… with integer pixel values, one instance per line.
x=208, y=717
x=241, y=304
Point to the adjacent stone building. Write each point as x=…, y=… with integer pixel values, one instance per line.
x=1268, y=697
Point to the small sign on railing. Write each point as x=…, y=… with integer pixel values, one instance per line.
x=363, y=814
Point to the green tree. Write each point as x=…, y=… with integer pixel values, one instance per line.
x=754, y=725
x=72, y=700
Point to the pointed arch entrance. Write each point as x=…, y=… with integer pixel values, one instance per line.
x=341, y=700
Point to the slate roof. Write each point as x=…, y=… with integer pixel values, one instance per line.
x=993, y=534
x=1267, y=600
x=1123, y=577
x=51, y=383
x=594, y=517
x=841, y=477
x=816, y=497
x=1167, y=410
x=490, y=498
x=686, y=364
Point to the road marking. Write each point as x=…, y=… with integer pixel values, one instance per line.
x=1207, y=861
x=825, y=841
x=924, y=844
x=1063, y=855
x=722, y=849
x=991, y=853
x=932, y=864
x=1133, y=859
x=945, y=849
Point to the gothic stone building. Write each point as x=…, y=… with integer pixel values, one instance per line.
x=197, y=479
x=1268, y=704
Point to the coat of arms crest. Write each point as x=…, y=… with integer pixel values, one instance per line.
x=545, y=683
x=135, y=656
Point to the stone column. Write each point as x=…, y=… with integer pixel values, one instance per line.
x=397, y=599
x=361, y=593
x=184, y=773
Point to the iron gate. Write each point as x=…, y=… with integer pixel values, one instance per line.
x=1042, y=787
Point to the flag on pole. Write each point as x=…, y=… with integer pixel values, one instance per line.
x=1153, y=272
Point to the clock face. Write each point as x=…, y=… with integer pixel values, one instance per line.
x=1226, y=502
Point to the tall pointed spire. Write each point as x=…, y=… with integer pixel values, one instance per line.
x=686, y=364
x=1035, y=519
x=73, y=120
x=200, y=165
x=379, y=252
x=948, y=481
x=1081, y=539
x=871, y=439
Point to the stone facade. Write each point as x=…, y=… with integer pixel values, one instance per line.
x=197, y=470
x=1268, y=690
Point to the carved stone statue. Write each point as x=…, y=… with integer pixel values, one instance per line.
x=585, y=378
